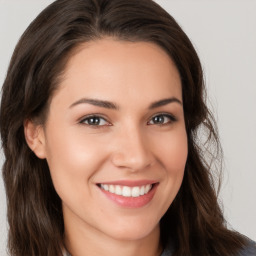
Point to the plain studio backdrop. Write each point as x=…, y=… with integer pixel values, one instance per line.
x=224, y=35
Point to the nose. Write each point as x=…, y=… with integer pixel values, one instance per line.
x=132, y=151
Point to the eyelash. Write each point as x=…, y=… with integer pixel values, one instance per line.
x=171, y=118
x=87, y=118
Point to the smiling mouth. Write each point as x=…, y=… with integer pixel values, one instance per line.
x=127, y=191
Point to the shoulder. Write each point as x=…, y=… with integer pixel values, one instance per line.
x=248, y=250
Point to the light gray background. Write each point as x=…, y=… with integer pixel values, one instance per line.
x=224, y=34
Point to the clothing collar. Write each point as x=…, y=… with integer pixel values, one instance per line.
x=168, y=250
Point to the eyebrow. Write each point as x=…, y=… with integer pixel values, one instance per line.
x=111, y=105
x=164, y=102
x=96, y=102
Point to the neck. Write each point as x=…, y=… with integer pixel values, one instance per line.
x=82, y=242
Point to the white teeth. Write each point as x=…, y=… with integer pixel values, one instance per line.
x=127, y=191
x=105, y=187
x=111, y=189
x=118, y=190
x=135, y=191
x=147, y=188
x=142, y=190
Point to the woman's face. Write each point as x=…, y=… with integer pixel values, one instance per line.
x=115, y=138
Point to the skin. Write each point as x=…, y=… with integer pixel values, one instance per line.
x=127, y=144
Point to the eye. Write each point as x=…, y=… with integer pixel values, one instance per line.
x=162, y=119
x=94, y=120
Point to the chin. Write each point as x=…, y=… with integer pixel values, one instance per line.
x=131, y=231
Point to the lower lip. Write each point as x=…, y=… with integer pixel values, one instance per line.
x=131, y=202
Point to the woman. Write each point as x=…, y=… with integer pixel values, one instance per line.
x=100, y=115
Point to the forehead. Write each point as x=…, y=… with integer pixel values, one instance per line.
x=112, y=68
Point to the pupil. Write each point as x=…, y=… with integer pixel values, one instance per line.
x=158, y=119
x=94, y=120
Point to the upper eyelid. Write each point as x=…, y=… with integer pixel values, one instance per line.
x=81, y=120
x=92, y=115
x=164, y=114
x=171, y=116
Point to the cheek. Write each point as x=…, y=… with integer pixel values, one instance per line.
x=68, y=148
x=72, y=160
x=173, y=157
x=173, y=151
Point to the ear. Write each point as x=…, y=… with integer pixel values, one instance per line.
x=35, y=138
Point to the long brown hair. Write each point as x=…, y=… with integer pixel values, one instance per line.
x=194, y=221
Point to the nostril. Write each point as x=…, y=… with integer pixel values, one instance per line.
x=134, y=161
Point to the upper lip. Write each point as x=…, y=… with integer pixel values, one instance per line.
x=129, y=183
